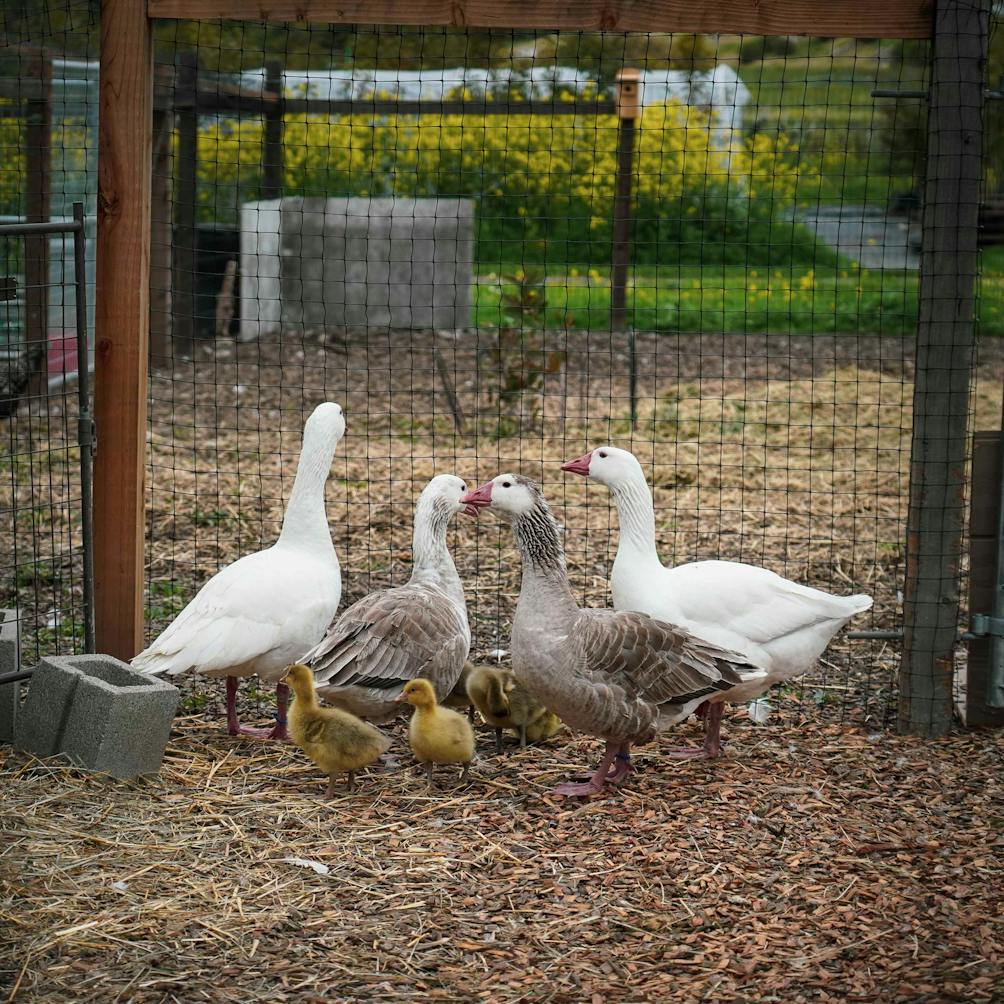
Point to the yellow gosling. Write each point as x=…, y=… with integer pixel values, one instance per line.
x=506, y=704
x=436, y=734
x=335, y=740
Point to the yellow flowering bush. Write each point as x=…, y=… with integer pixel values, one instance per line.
x=544, y=184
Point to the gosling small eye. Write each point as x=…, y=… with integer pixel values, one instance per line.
x=603, y=453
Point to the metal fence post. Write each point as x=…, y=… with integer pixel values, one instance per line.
x=945, y=350
x=85, y=422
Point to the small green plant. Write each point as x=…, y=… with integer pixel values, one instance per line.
x=519, y=358
x=212, y=517
x=195, y=702
x=39, y=573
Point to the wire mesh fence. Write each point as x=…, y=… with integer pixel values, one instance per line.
x=424, y=225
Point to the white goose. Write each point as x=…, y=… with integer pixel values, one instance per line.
x=779, y=625
x=258, y=614
x=616, y=674
x=394, y=635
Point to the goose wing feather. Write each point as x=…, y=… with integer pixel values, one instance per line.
x=390, y=637
x=233, y=621
x=754, y=604
x=650, y=660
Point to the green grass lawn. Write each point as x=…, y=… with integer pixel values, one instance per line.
x=695, y=298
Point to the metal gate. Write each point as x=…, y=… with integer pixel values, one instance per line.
x=46, y=553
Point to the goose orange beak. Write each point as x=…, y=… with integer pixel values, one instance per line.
x=478, y=499
x=580, y=465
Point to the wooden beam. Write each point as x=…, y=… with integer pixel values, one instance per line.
x=451, y=106
x=833, y=18
x=122, y=322
x=944, y=369
x=161, y=237
x=272, y=150
x=984, y=506
x=185, y=194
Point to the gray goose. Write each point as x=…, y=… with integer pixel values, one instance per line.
x=617, y=675
x=395, y=635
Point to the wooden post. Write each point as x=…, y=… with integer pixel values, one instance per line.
x=186, y=179
x=38, y=168
x=122, y=321
x=160, y=238
x=945, y=344
x=628, y=110
x=272, y=159
x=984, y=528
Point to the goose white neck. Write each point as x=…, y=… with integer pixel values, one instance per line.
x=428, y=542
x=306, y=520
x=636, y=515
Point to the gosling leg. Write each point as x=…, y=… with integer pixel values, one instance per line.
x=428, y=775
x=498, y=742
x=463, y=773
x=522, y=736
x=330, y=793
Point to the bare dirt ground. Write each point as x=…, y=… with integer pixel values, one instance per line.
x=823, y=864
x=823, y=859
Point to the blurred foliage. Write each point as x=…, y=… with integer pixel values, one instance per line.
x=543, y=184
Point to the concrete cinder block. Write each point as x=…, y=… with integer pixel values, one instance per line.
x=99, y=713
x=260, y=269
x=10, y=662
x=357, y=262
x=119, y=720
x=42, y=717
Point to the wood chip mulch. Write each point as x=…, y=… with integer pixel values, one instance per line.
x=812, y=863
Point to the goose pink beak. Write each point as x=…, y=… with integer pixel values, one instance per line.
x=478, y=499
x=580, y=465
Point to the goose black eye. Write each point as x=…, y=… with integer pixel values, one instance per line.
x=506, y=484
x=603, y=453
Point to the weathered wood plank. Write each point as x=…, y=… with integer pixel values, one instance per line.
x=945, y=345
x=984, y=502
x=835, y=18
x=122, y=322
x=984, y=487
x=38, y=168
x=185, y=194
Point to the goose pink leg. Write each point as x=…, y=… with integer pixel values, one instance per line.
x=608, y=772
x=712, y=736
x=234, y=727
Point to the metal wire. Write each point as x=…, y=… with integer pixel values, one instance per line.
x=423, y=225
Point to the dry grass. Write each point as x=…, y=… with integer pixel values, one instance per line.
x=805, y=866
x=821, y=863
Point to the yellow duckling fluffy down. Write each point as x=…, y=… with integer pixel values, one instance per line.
x=436, y=734
x=335, y=740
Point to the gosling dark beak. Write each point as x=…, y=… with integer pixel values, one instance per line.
x=478, y=499
x=580, y=465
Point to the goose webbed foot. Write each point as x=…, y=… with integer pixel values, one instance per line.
x=607, y=771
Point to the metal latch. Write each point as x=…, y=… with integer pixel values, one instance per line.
x=87, y=433
x=983, y=625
